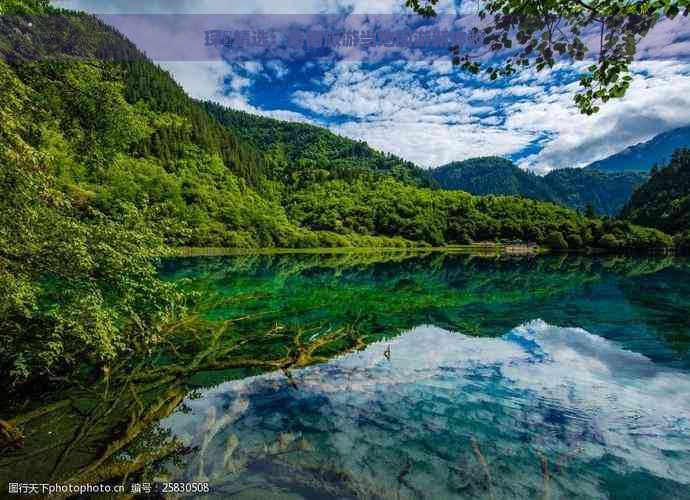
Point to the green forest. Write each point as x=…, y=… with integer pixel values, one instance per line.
x=602, y=193
x=664, y=201
x=107, y=166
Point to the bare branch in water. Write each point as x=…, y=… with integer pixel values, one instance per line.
x=484, y=464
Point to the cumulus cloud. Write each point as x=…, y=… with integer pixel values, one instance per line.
x=564, y=393
x=430, y=144
x=667, y=40
x=201, y=79
x=409, y=110
x=277, y=68
x=222, y=83
x=658, y=100
x=430, y=116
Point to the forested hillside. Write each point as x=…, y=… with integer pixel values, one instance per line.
x=604, y=193
x=664, y=201
x=299, y=153
x=491, y=175
x=110, y=144
x=440, y=216
x=124, y=134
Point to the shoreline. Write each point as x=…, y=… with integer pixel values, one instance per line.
x=484, y=249
x=475, y=248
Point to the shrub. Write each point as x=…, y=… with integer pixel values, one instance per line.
x=609, y=242
x=556, y=241
x=575, y=241
x=682, y=242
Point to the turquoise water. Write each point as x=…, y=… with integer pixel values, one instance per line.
x=547, y=377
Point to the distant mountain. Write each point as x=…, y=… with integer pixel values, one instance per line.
x=664, y=201
x=572, y=187
x=641, y=157
x=606, y=192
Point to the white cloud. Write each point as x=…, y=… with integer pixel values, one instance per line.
x=431, y=144
x=278, y=68
x=205, y=80
x=592, y=408
x=407, y=110
x=237, y=83
x=658, y=100
x=200, y=79
x=392, y=110
x=667, y=40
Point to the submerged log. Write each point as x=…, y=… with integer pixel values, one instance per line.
x=10, y=435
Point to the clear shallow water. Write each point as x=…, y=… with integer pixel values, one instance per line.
x=537, y=378
x=390, y=375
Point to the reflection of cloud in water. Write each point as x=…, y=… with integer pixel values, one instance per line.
x=538, y=389
x=639, y=411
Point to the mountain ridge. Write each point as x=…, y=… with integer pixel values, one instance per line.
x=605, y=192
x=291, y=147
x=642, y=156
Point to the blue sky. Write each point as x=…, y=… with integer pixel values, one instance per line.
x=431, y=112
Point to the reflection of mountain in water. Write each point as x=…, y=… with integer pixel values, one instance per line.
x=540, y=410
x=639, y=300
x=472, y=413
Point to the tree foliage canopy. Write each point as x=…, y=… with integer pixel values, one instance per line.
x=76, y=284
x=664, y=201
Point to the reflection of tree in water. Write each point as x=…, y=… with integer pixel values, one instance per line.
x=662, y=301
x=279, y=313
x=472, y=294
x=107, y=430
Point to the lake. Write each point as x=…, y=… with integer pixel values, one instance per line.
x=375, y=375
